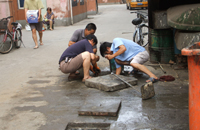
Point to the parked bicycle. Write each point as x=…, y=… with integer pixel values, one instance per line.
x=8, y=38
x=140, y=35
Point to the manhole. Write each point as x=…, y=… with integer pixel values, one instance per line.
x=88, y=126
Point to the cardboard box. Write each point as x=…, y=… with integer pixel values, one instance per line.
x=32, y=16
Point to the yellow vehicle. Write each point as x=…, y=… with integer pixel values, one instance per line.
x=130, y=4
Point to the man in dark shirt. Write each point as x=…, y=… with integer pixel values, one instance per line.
x=80, y=34
x=79, y=55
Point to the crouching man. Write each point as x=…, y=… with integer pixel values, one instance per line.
x=79, y=55
x=127, y=52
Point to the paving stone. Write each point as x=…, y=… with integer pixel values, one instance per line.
x=109, y=82
x=105, y=107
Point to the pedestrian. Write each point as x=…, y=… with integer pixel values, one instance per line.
x=79, y=55
x=81, y=34
x=35, y=5
x=127, y=52
x=49, y=19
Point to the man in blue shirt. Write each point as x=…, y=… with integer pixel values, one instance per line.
x=124, y=51
x=79, y=55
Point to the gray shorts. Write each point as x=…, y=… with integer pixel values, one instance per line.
x=37, y=26
x=140, y=58
x=74, y=64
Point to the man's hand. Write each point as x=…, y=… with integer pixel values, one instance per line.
x=109, y=57
x=71, y=43
x=95, y=50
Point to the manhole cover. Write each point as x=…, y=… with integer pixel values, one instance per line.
x=88, y=126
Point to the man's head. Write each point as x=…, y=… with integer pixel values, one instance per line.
x=105, y=48
x=92, y=39
x=90, y=29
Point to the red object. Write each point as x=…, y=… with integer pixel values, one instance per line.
x=167, y=78
x=193, y=54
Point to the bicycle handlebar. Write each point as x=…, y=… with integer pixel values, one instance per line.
x=139, y=14
x=6, y=18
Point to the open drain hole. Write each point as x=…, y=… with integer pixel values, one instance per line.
x=88, y=126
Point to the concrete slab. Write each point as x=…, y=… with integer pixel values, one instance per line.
x=109, y=82
x=105, y=107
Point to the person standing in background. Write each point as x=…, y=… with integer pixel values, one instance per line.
x=35, y=5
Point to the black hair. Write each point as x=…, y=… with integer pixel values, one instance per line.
x=49, y=9
x=92, y=36
x=103, y=48
x=91, y=26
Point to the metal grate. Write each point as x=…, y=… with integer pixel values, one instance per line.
x=88, y=126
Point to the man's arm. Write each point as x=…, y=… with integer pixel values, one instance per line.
x=52, y=16
x=71, y=43
x=93, y=58
x=25, y=14
x=121, y=50
x=74, y=38
x=95, y=50
x=39, y=15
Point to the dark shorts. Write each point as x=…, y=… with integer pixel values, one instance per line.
x=37, y=26
x=71, y=67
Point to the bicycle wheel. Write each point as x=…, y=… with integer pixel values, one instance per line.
x=18, y=38
x=136, y=38
x=7, y=44
x=144, y=39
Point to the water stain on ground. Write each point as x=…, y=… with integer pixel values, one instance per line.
x=63, y=100
x=38, y=81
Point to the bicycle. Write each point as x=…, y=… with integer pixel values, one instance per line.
x=7, y=38
x=140, y=36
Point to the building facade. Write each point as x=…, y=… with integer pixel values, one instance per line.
x=66, y=12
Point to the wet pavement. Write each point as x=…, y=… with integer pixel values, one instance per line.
x=35, y=95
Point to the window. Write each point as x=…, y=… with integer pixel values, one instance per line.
x=81, y=2
x=21, y=4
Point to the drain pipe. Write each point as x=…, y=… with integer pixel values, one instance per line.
x=72, y=21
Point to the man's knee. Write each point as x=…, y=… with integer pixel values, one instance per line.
x=34, y=31
x=85, y=55
x=135, y=65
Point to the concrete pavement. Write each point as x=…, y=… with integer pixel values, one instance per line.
x=35, y=95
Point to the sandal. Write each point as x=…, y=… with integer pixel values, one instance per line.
x=134, y=71
x=153, y=80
